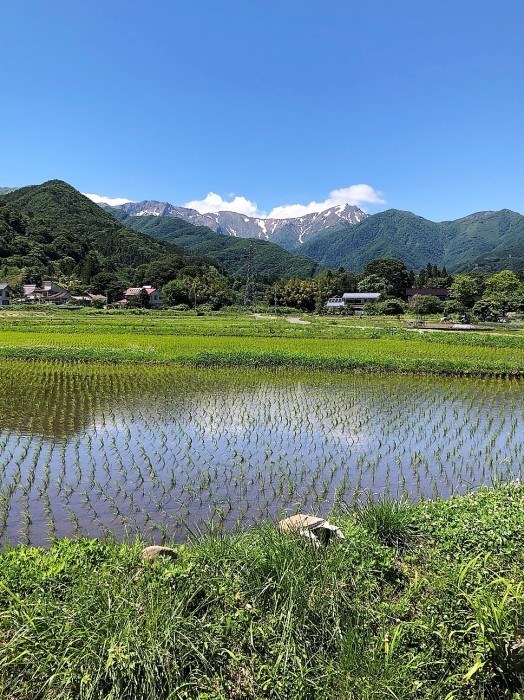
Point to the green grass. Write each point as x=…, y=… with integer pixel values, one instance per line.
x=324, y=343
x=256, y=614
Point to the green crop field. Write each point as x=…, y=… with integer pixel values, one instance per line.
x=340, y=344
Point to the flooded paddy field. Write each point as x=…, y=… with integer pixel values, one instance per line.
x=94, y=449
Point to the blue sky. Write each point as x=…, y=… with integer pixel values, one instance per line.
x=275, y=102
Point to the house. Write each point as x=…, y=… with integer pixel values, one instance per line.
x=5, y=294
x=353, y=300
x=442, y=294
x=155, y=298
x=335, y=303
x=49, y=292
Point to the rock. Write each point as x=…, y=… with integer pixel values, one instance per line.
x=151, y=553
x=317, y=530
x=515, y=656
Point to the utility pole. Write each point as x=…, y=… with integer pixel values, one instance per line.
x=194, y=290
x=250, y=296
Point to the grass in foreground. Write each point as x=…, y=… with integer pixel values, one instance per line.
x=422, y=601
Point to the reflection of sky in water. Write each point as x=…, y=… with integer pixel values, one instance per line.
x=179, y=447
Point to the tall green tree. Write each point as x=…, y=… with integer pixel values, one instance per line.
x=393, y=271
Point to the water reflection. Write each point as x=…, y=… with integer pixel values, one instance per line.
x=96, y=449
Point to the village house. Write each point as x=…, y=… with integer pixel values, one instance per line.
x=442, y=294
x=353, y=300
x=5, y=294
x=48, y=293
x=155, y=298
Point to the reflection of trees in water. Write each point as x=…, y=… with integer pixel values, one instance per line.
x=54, y=400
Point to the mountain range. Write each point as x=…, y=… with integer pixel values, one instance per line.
x=289, y=233
x=51, y=221
x=344, y=236
x=490, y=241
x=271, y=260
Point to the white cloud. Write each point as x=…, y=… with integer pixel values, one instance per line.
x=113, y=201
x=214, y=202
x=357, y=195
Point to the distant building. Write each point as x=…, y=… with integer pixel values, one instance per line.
x=442, y=294
x=88, y=298
x=353, y=300
x=336, y=303
x=155, y=298
x=49, y=292
x=5, y=294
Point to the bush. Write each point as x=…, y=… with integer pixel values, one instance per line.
x=391, y=307
x=423, y=304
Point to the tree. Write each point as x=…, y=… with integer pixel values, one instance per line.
x=393, y=271
x=424, y=304
x=296, y=293
x=108, y=283
x=373, y=283
x=465, y=289
x=176, y=292
x=486, y=310
x=391, y=307
x=139, y=301
x=505, y=282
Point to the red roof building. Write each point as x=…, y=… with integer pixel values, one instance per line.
x=155, y=298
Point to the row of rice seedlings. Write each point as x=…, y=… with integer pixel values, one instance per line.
x=155, y=449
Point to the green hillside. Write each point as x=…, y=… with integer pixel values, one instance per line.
x=488, y=240
x=491, y=240
x=270, y=259
x=52, y=228
x=389, y=234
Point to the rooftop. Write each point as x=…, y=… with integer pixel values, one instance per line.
x=434, y=291
x=361, y=295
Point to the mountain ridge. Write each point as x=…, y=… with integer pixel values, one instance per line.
x=290, y=233
x=487, y=240
x=271, y=260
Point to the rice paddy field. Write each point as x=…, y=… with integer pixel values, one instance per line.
x=152, y=423
x=117, y=431
x=156, y=450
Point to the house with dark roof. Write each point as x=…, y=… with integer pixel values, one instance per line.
x=49, y=292
x=5, y=294
x=442, y=294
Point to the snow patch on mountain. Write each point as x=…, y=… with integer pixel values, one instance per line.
x=289, y=233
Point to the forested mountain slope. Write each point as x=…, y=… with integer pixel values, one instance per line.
x=490, y=240
x=269, y=259
x=51, y=228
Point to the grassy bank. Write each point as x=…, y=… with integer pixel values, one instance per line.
x=321, y=343
x=422, y=601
